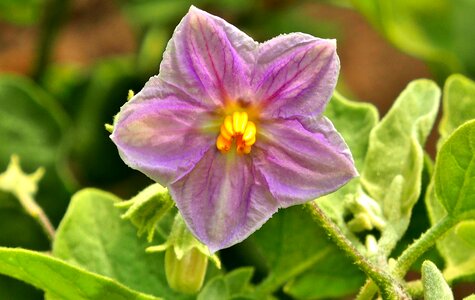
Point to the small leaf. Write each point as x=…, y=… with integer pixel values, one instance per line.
x=433, y=282
x=396, y=143
x=216, y=289
x=60, y=280
x=455, y=171
x=93, y=236
x=239, y=280
x=395, y=158
x=471, y=297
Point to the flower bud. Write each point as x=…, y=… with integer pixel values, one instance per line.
x=185, y=274
x=186, y=258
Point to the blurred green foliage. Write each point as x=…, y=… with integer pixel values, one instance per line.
x=439, y=32
x=57, y=120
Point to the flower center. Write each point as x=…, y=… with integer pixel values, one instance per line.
x=236, y=127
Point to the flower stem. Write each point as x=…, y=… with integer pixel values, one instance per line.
x=388, y=285
x=422, y=244
x=37, y=213
x=413, y=252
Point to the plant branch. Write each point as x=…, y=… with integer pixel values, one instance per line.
x=413, y=252
x=387, y=284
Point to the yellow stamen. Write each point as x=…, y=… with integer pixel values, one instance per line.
x=225, y=133
x=228, y=124
x=223, y=144
x=237, y=128
x=250, y=132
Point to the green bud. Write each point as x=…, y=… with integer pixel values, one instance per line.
x=360, y=222
x=186, y=258
x=367, y=213
x=185, y=274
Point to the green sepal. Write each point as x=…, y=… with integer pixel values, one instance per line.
x=434, y=284
x=147, y=208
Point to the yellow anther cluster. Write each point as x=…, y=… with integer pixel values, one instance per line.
x=238, y=128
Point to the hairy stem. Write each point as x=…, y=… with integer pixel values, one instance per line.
x=413, y=252
x=422, y=244
x=388, y=285
x=37, y=213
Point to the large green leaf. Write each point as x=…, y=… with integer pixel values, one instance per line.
x=93, y=235
x=455, y=171
x=291, y=245
x=61, y=280
x=436, y=31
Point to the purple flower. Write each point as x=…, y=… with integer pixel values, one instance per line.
x=234, y=128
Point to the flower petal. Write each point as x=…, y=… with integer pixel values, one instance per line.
x=208, y=59
x=295, y=75
x=301, y=162
x=222, y=201
x=161, y=137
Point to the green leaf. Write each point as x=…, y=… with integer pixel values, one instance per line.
x=455, y=171
x=354, y=121
x=282, y=250
x=216, y=289
x=239, y=280
x=396, y=143
x=394, y=163
x=471, y=297
x=433, y=282
x=458, y=104
x=466, y=231
x=93, y=236
x=60, y=280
